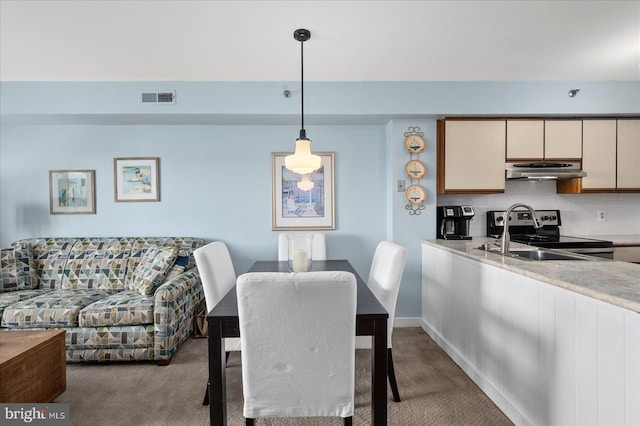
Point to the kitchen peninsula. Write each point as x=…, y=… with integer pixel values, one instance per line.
x=550, y=342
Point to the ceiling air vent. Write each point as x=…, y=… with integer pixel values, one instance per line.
x=158, y=98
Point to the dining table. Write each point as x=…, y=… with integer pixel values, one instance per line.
x=371, y=320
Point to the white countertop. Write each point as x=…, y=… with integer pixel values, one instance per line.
x=614, y=282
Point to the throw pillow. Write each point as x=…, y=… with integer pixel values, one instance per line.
x=152, y=269
x=17, y=269
x=181, y=264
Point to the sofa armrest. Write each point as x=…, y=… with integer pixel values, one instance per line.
x=175, y=303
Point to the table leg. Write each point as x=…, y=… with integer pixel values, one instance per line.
x=379, y=373
x=217, y=375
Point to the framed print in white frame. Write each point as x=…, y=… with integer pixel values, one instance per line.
x=72, y=192
x=136, y=179
x=293, y=206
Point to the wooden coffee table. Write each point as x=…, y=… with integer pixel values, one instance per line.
x=32, y=365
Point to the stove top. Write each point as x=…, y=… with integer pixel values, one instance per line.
x=521, y=230
x=559, y=241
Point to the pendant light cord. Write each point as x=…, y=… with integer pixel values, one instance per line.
x=302, y=35
x=302, y=131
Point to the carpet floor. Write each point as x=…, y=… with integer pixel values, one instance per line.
x=434, y=390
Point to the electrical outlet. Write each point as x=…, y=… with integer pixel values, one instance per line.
x=401, y=187
x=602, y=216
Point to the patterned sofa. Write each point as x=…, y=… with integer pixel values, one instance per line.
x=119, y=299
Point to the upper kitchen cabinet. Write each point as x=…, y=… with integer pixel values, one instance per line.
x=471, y=156
x=530, y=139
x=599, y=154
x=562, y=139
x=611, y=158
x=525, y=140
x=628, y=155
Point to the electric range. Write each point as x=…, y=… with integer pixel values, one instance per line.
x=521, y=230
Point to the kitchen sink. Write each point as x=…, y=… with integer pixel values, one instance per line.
x=540, y=254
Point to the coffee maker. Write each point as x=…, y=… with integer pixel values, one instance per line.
x=453, y=222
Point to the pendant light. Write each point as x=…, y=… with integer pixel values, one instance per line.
x=302, y=161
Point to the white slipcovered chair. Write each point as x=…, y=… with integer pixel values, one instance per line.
x=297, y=332
x=218, y=277
x=384, y=280
x=318, y=245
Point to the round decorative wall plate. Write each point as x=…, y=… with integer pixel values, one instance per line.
x=415, y=194
x=415, y=169
x=414, y=143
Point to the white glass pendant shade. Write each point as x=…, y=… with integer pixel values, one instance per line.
x=305, y=183
x=302, y=161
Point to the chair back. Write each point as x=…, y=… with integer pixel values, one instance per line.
x=216, y=271
x=385, y=276
x=319, y=245
x=298, y=343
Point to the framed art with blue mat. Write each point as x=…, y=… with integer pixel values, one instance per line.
x=137, y=179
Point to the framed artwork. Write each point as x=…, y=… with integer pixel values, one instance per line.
x=136, y=179
x=303, y=201
x=72, y=192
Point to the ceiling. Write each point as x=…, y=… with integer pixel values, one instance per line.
x=351, y=41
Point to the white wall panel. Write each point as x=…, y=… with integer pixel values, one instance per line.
x=586, y=360
x=632, y=368
x=611, y=362
x=545, y=355
x=546, y=368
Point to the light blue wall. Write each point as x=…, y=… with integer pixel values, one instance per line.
x=215, y=149
x=215, y=183
x=231, y=100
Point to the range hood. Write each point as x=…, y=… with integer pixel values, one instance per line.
x=544, y=170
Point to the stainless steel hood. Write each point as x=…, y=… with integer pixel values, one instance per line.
x=544, y=170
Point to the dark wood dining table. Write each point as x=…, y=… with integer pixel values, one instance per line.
x=371, y=320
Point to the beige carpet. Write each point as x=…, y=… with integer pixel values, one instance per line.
x=433, y=389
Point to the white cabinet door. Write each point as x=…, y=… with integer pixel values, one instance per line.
x=525, y=139
x=599, y=154
x=628, y=154
x=562, y=139
x=474, y=155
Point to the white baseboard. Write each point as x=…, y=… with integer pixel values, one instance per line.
x=407, y=322
x=483, y=383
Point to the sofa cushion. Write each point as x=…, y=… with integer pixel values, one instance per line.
x=51, y=255
x=98, y=263
x=58, y=308
x=153, y=267
x=140, y=245
x=124, y=308
x=12, y=297
x=17, y=269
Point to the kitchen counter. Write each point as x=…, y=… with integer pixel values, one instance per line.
x=617, y=283
x=618, y=240
x=550, y=342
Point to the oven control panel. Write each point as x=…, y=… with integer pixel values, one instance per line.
x=523, y=218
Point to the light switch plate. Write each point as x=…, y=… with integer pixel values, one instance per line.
x=401, y=186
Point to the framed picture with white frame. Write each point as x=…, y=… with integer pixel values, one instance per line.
x=303, y=201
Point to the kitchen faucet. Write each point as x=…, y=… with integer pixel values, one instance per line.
x=506, y=239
